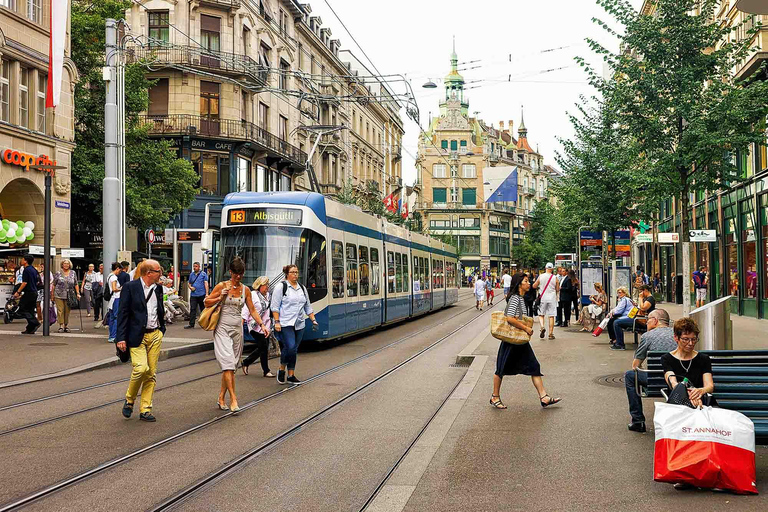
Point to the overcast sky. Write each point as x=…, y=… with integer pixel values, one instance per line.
x=415, y=36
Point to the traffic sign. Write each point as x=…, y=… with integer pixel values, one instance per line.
x=149, y=235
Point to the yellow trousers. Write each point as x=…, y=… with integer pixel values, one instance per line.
x=144, y=359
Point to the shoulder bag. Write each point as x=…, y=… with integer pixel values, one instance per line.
x=209, y=318
x=504, y=331
x=72, y=300
x=538, y=298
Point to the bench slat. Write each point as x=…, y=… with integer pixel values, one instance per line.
x=756, y=405
x=740, y=396
x=740, y=378
x=738, y=387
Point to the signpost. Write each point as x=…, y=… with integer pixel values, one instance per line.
x=73, y=253
x=703, y=235
x=149, y=236
x=669, y=238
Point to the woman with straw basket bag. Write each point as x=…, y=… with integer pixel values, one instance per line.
x=516, y=355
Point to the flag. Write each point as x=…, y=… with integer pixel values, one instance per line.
x=405, y=211
x=389, y=203
x=399, y=205
x=59, y=13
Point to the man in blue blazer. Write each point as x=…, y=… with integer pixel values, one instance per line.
x=140, y=329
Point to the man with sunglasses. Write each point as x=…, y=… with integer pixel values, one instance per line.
x=659, y=338
x=140, y=329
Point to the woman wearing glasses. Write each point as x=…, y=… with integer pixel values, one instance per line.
x=290, y=306
x=228, y=336
x=685, y=362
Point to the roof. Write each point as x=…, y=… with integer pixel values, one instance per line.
x=313, y=200
x=522, y=144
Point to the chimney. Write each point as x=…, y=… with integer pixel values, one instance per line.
x=501, y=125
x=511, y=124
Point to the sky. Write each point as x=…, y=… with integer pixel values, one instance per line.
x=508, y=37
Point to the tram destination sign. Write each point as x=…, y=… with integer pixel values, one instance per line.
x=284, y=216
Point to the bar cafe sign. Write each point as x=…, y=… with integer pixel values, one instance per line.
x=24, y=160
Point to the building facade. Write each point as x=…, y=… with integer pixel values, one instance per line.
x=460, y=164
x=28, y=131
x=245, y=89
x=737, y=260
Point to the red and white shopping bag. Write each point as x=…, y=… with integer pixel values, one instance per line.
x=600, y=328
x=707, y=447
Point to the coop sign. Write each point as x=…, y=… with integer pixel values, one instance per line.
x=24, y=160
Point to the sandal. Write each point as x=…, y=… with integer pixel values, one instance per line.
x=552, y=401
x=551, y=336
x=66, y=329
x=498, y=404
x=541, y=333
x=61, y=329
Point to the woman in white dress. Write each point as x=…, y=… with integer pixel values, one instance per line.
x=479, y=292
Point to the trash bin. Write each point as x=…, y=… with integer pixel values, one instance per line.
x=714, y=321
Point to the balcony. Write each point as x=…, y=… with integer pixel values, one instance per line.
x=493, y=158
x=176, y=56
x=397, y=153
x=230, y=5
x=229, y=129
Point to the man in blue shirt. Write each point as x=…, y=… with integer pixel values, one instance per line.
x=27, y=292
x=198, y=286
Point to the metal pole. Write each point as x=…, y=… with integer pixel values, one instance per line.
x=47, y=257
x=177, y=276
x=112, y=198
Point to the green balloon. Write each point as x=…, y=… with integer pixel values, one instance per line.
x=6, y=223
x=3, y=234
x=31, y=236
x=20, y=223
x=2, y=238
x=12, y=239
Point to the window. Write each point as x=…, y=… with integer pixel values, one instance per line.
x=365, y=275
x=24, y=97
x=438, y=170
x=42, y=83
x=468, y=170
x=749, y=248
x=337, y=269
x=263, y=116
x=5, y=90
x=444, y=144
x=440, y=223
x=390, y=272
x=469, y=222
x=283, y=128
x=438, y=195
x=158, y=98
x=8, y=4
x=210, y=37
x=375, y=282
x=207, y=166
x=285, y=70
x=468, y=196
x=351, y=270
x=463, y=147
x=35, y=10
x=399, y=275
x=405, y=273
x=246, y=40
x=283, y=22
x=264, y=52
x=469, y=244
x=454, y=145
x=454, y=194
x=209, y=108
x=158, y=27
x=425, y=280
x=454, y=171
x=243, y=175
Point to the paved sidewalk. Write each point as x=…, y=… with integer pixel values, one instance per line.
x=577, y=455
x=25, y=357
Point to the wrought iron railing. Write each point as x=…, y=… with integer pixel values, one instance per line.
x=230, y=4
x=162, y=54
x=185, y=124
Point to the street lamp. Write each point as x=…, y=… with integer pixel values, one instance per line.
x=752, y=6
x=429, y=85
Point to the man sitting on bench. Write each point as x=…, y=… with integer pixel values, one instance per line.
x=660, y=337
x=646, y=304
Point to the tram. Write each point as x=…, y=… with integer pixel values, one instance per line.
x=360, y=271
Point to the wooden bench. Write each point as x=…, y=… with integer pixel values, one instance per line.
x=741, y=383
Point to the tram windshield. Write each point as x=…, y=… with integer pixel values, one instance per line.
x=266, y=249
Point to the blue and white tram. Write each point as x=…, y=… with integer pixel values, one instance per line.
x=360, y=271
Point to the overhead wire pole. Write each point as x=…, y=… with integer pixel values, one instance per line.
x=112, y=197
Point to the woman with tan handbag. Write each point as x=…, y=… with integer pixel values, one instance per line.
x=230, y=296
x=514, y=359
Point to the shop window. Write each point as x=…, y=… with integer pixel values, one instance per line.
x=5, y=93
x=351, y=270
x=285, y=182
x=764, y=229
x=469, y=244
x=365, y=274
x=159, y=26
x=731, y=255
x=390, y=272
x=158, y=98
x=337, y=269
x=375, y=272
x=749, y=250
x=24, y=97
x=42, y=83
x=261, y=179
x=243, y=175
x=213, y=170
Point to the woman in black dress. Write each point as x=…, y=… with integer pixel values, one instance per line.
x=518, y=359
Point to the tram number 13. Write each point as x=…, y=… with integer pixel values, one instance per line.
x=236, y=216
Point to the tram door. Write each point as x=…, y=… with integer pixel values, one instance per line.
x=352, y=301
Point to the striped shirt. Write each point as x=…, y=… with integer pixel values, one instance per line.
x=515, y=307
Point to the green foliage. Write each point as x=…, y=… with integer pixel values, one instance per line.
x=551, y=230
x=159, y=184
x=370, y=200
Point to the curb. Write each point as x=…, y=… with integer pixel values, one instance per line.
x=167, y=353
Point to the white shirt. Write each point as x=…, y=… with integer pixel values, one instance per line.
x=115, y=295
x=507, y=280
x=152, y=322
x=132, y=273
x=19, y=275
x=98, y=277
x=549, y=295
x=479, y=287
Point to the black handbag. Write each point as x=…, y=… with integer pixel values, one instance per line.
x=124, y=355
x=72, y=300
x=679, y=396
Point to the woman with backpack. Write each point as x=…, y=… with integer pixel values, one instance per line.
x=259, y=332
x=290, y=305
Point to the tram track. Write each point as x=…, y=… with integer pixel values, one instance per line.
x=101, y=468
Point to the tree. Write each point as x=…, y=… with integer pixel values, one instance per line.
x=158, y=185
x=549, y=232
x=673, y=93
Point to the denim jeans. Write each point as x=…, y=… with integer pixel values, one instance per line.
x=635, y=401
x=195, y=303
x=291, y=338
x=113, y=319
x=618, y=328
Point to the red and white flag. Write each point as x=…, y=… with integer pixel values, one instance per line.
x=405, y=210
x=59, y=14
x=389, y=203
